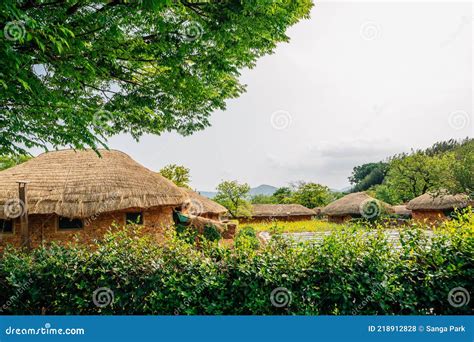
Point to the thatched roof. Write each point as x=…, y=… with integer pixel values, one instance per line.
x=438, y=201
x=318, y=210
x=276, y=210
x=401, y=210
x=79, y=184
x=353, y=204
x=202, y=205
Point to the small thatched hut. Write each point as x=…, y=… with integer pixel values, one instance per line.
x=282, y=212
x=318, y=211
x=202, y=206
x=355, y=205
x=79, y=193
x=402, y=211
x=436, y=206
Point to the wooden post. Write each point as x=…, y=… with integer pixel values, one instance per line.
x=25, y=230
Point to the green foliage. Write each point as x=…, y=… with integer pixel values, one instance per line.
x=234, y=196
x=246, y=238
x=385, y=193
x=312, y=195
x=349, y=272
x=211, y=233
x=178, y=174
x=263, y=199
x=76, y=72
x=283, y=195
x=367, y=175
x=12, y=160
x=463, y=169
x=413, y=175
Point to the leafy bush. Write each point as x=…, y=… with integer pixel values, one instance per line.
x=247, y=238
x=211, y=233
x=349, y=272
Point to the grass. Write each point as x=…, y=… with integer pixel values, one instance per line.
x=293, y=227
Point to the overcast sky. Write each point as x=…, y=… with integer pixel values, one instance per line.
x=358, y=82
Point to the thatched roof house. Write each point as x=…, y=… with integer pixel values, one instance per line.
x=282, y=212
x=202, y=206
x=401, y=210
x=318, y=211
x=355, y=205
x=79, y=192
x=436, y=206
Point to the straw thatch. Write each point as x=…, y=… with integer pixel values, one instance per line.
x=79, y=184
x=203, y=205
x=352, y=204
x=401, y=210
x=280, y=210
x=438, y=201
x=318, y=210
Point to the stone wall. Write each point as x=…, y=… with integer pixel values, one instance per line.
x=44, y=228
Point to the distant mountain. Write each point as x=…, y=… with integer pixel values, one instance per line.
x=263, y=189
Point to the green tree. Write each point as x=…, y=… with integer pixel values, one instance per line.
x=12, y=160
x=312, y=195
x=463, y=169
x=178, y=174
x=283, y=195
x=367, y=175
x=263, y=199
x=234, y=197
x=77, y=72
x=412, y=175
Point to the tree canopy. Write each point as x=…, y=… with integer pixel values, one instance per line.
x=235, y=197
x=76, y=72
x=10, y=161
x=178, y=174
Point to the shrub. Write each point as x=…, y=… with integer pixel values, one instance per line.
x=246, y=238
x=349, y=272
x=211, y=233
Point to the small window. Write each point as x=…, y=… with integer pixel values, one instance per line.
x=134, y=218
x=6, y=226
x=66, y=223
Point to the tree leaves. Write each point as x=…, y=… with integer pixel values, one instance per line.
x=156, y=65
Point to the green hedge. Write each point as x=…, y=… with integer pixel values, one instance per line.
x=348, y=273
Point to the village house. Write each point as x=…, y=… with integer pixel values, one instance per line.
x=65, y=194
x=355, y=205
x=434, y=207
x=202, y=206
x=281, y=212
